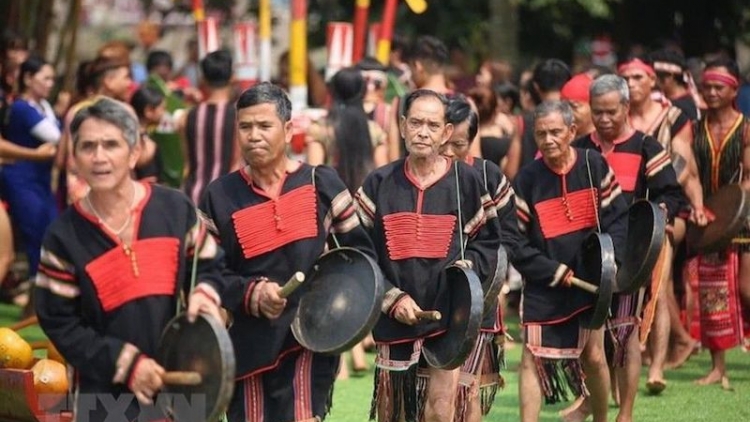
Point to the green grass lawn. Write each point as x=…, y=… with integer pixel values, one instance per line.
x=681, y=401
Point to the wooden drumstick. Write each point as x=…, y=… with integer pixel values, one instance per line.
x=20, y=325
x=182, y=378
x=40, y=344
x=291, y=285
x=585, y=285
x=429, y=315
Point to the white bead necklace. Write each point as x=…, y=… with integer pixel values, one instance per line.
x=101, y=220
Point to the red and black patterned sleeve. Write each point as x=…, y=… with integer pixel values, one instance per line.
x=533, y=264
x=58, y=307
x=661, y=179
x=342, y=220
x=367, y=211
x=505, y=205
x=236, y=290
x=481, y=226
x=200, y=242
x=614, y=208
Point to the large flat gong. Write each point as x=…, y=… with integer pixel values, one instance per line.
x=646, y=235
x=598, y=254
x=202, y=347
x=501, y=273
x=450, y=349
x=342, y=302
x=730, y=207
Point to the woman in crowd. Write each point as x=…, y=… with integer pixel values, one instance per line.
x=350, y=142
x=27, y=184
x=346, y=139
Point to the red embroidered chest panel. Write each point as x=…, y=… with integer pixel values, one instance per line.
x=567, y=214
x=626, y=167
x=125, y=273
x=277, y=222
x=413, y=235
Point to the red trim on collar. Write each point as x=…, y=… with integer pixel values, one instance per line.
x=598, y=142
x=410, y=177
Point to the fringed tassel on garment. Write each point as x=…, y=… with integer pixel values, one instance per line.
x=621, y=335
x=463, y=397
x=423, y=384
x=329, y=400
x=500, y=342
x=470, y=375
x=559, y=377
x=491, y=365
x=395, y=392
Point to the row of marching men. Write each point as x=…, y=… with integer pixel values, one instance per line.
x=415, y=217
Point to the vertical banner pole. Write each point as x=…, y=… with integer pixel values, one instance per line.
x=264, y=23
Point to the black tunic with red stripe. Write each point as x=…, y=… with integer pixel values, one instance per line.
x=642, y=166
x=557, y=212
x=415, y=233
x=499, y=188
x=94, y=294
x=274, y=238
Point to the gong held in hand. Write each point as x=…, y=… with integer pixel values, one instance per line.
x=198, y=358
x=192, y=378
x=598, y=255
x=342, y=302
x=731, y=207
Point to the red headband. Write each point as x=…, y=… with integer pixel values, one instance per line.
x=721, y=77
x=637, y=64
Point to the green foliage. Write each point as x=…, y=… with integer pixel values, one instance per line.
x=596, y=8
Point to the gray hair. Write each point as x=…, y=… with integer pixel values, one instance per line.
x=110, y=111
x=548, y=107
x=605, y=84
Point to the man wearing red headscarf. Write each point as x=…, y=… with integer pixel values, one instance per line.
x=721, y=149
x=576, y=93
x=643, y=170
x=657, y=117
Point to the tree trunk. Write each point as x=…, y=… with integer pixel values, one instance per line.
x=503, y=34
x=70, y=59
x=44, y=25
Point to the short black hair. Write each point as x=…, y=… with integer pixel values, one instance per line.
x=158, y=58
x=727, y=63
x=145, y=96
x=550, y=75
x=668, y=55
x=267, y=93
x=459, y=111
x=217, y=68
x=370, y=63
x=12, y=40
x=429, y=50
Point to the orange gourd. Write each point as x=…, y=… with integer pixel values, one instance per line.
x=15, y=352
x=50, y=382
